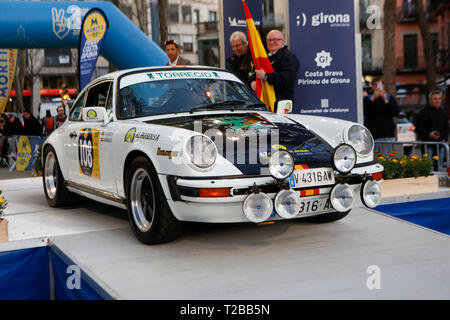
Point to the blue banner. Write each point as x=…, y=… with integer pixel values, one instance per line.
x=234, y=20
x=93, y=31
x=433, y=214
x=71, y=282
x=322, y=36
x=25, y=274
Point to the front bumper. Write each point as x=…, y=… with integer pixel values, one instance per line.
x=187, y=205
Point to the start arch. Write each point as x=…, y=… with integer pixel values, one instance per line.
x=34, y=24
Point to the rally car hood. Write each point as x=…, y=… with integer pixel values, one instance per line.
x=252, y=137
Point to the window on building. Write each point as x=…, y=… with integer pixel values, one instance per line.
x=409, y=8
x=58, y=57
x=188, y=43
x=212, y=16
x=268, y=13
x=187, y=14
x=410, y=51
x=173, y=13
x=367, y=52
x=196, y=16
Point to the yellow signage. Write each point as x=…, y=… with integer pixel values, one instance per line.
x=23, y=153
x=94, y=27
x=8, y=58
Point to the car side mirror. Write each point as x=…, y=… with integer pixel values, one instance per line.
x=95, y=114
x=284, y=107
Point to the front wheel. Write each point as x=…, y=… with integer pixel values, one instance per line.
x=149, y=214
x=55, y=191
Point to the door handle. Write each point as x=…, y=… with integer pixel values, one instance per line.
x=73, y=134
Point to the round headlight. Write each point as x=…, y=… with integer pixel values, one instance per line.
x=344, y=158
x=287, y=203
x=281, y=164
x=360, y=138
x=371, y=193
x=342, y=197
x=202, y=151
x=257, y=207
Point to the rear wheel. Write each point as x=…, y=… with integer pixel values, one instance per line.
x=149, y=214
x=55, y=191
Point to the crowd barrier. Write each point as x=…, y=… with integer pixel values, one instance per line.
x=23, y=152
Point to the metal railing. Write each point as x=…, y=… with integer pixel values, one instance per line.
x=414, y=151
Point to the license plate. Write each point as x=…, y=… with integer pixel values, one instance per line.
x=315, y=205
x=311, y=177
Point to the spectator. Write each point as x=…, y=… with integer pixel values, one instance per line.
x=48, y=123
x=380, y=108
x=11, y=127
x=285, y=65
x=32, y=126
x=61, y=117
x=432, y=125
x=173, y=52
x=241, y=63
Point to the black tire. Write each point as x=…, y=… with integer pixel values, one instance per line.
x=55, y=191
x=327, y=217
x=149, y=215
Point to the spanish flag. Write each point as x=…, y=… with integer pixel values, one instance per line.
x=264, y=90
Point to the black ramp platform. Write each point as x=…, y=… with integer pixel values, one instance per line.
x=286, y=260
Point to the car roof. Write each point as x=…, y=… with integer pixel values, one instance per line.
x=116, y=74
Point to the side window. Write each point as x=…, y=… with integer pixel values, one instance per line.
x=110, y=99
x=75, y=112
x=97, y=95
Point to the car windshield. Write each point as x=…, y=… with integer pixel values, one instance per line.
x=148, y=96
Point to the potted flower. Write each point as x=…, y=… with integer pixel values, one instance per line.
x=406, y=175
x=3, y=222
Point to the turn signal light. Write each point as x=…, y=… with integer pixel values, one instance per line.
x=214, y=192
x=412, y=128
x=377, y=175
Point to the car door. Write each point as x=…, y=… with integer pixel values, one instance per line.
x=94, y=166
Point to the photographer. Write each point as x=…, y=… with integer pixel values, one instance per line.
x=380, y=108
x=432, y=125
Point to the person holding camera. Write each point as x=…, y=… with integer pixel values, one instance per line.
x=432, y=125
x=380, y=108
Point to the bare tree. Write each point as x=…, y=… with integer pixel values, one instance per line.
x=163, y=20
x=389, y=66
x=34, y=67
x=427, y=46
x=140, y=11
x=19, y=80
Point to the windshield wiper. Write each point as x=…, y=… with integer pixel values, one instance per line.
x=231, y=103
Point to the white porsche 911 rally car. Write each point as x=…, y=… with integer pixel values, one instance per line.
x=195, y=144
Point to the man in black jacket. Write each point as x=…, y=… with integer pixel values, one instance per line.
x=432, y=125
x=285, y=65
x=241, y=61
x=32, y=126
x=380, y=108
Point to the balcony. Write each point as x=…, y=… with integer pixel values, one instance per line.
x=408, y=14
x=207, y=28
x=443, y=61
